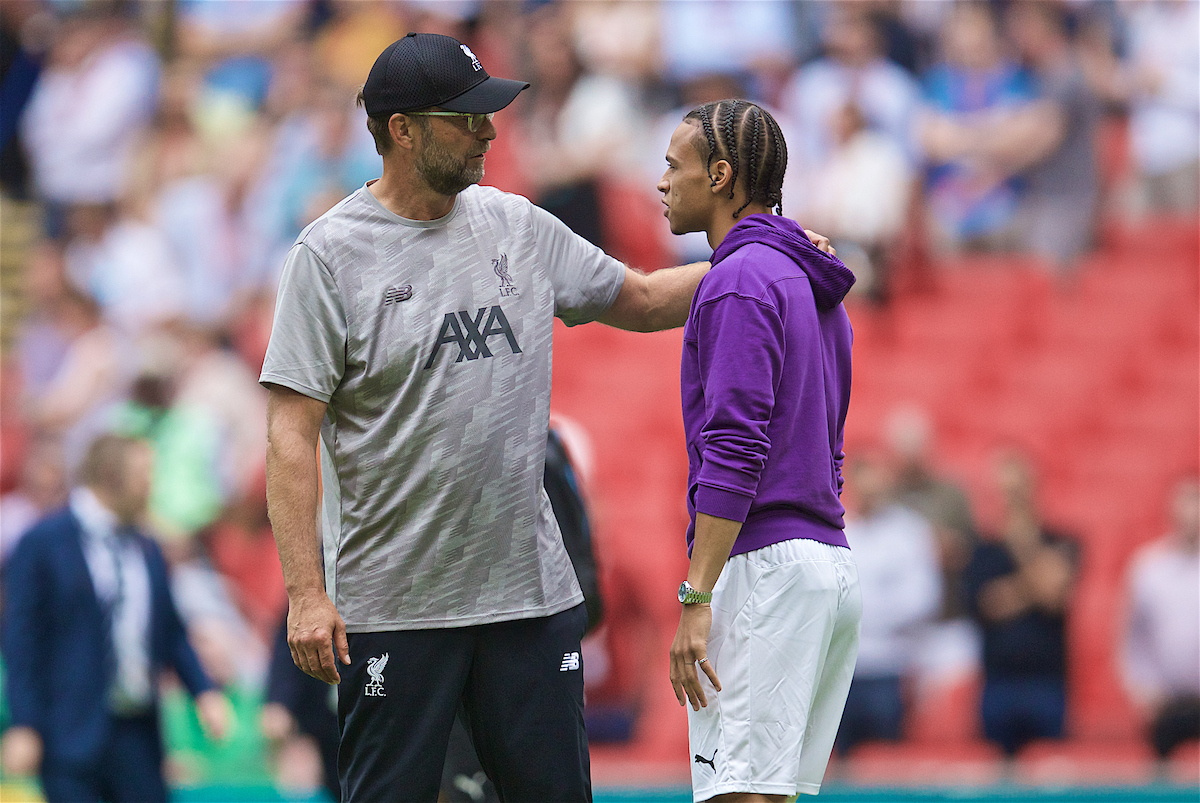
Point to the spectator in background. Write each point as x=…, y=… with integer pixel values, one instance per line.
x=939, y=500
x=757, y=41
x=577, y=126
x=187, y=493
x=217, y=385
x=1018, y=588
x=211, y=32
x=904, y=42
x=233, y=44
x=619, y=39
x=922, y=23
x=126, y=264
x=21, y=56
x=88, y=379
x=41, y=341
x=289, y=137
x=42, y=488
x=1052, y=141
x=83, y=586
x=182, y=185
x=93, y=99
x=230, y=651
x=357, y=29
x=854, y=111
x=971, y=196
x=1161, y=651
x=947, y=663
x=241, y=546
x=853, y=72
x=193, y=183
x=896, y=553
x=338, y=156
x=1161, y=82
x=860, y=196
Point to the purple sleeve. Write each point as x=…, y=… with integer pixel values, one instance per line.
x=740, y=350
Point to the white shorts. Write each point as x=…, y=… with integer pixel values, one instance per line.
x=783, y=643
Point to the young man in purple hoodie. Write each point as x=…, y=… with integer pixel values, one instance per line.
x=768, y=634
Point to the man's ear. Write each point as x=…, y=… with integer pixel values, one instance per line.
x=400, y=127
x=721, y=177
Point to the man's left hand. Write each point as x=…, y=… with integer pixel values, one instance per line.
x=215, y=714
x=689, y=650
x=821, y=242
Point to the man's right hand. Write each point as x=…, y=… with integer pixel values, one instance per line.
x=21, y=751
x=315, y=629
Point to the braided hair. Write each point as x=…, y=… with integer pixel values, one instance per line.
x=745, y=135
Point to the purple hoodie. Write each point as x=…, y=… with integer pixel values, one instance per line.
x=766, y=384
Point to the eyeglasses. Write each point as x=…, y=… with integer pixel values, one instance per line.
x=474, y=121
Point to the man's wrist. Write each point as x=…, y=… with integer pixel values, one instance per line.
x=688, y=595
x=308, y=595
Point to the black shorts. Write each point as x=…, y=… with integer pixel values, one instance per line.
x=518, y=686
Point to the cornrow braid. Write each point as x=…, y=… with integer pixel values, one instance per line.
x=755, y=118
x=729, y=139
x=744, y=133
x=710, y=135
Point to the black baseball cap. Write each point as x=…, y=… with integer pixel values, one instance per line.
x=429, y=69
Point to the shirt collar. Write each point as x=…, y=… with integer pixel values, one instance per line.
x=97, y=520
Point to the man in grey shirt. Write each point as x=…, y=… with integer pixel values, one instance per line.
x=412, y=339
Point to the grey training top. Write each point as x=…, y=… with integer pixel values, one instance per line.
x=431, y=343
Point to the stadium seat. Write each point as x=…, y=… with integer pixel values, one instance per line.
x=946, y=712
x=1184, y=764
x=922, y=763
x=1052, y=763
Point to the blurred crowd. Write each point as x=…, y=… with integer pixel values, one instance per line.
x=158, y=159
x=961, y=615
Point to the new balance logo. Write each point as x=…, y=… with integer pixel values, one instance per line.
x=395, y=295
x=570, y=661
x=709, y=761
x=464, y=331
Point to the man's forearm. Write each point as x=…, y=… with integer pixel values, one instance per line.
x=671, y=292
x=657, y=301
x=292, y=493
x=711, y=546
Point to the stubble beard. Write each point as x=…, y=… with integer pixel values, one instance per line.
x=445, y=173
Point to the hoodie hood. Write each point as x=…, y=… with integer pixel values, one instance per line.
x=830, y=279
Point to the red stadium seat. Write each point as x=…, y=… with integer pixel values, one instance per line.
x=1085, y=763
x=920, y=763
x=946, y=713
x=1184, y=763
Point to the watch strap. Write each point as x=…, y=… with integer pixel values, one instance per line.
x=690, y=596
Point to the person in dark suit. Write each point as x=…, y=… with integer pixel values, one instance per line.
x=88, y=627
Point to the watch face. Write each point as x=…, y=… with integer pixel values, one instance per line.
x=683, y=589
